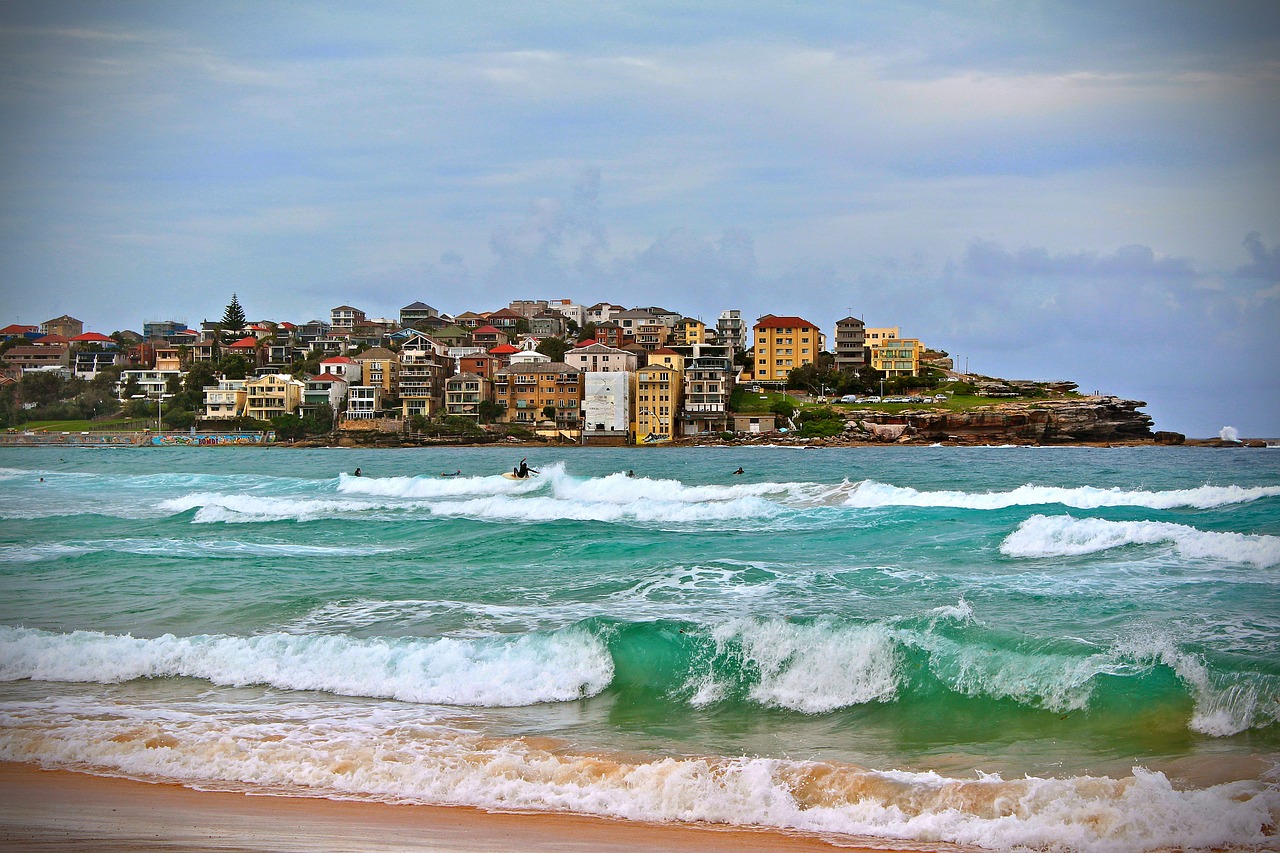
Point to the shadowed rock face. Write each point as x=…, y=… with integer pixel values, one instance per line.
x=1087, y=419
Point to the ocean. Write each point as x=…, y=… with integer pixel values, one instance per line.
x=1009, y=647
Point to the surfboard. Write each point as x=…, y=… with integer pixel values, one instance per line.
x=511, y=476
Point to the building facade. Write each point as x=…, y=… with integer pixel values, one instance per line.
x=851, y=344
x=781, y=345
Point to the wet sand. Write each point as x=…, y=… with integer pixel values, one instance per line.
x=51, y=810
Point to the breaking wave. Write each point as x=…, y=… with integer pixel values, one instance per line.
x=1065, y=536
x=394, y=754
x=872, y=494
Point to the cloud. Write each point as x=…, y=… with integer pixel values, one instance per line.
x=1265, y=264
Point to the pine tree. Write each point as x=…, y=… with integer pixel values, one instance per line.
x=233, y=320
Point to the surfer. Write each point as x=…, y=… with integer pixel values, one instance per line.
x=357, y=472
x=522, y=470
x=454, y=474
x=631, y=473
x=739, y=471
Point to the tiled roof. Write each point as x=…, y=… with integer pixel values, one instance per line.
x=771, y=322
x=503, y=349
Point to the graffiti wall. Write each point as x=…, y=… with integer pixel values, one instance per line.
x=212, y=439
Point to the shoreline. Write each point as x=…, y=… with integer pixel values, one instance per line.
x=66, y=810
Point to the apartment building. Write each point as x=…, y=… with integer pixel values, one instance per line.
x=731, y=329
x=464, y=392
x=897, y=356
x=424, y=367
x=531, y=390
x=598, y=358
x=226, y=400
x=851, y=344
x=272, y=396
x=658, y=390
x=781, y=345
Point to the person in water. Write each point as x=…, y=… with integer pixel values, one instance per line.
x=739, y=471
x=522, y=470
x=357, y=472
x=454, y=474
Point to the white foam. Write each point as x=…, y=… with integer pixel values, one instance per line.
x=215, y=507
x=401, y=755
x=208, y=549
x=496, y=671
x=1065, y=536
x=872, y=494
x=812, y=668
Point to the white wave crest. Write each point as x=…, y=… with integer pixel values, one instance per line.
x=395, y=755
x=494, y=672
x=1065, y=536
x=215, y=507
x=811, y=668
x=872, y=494
x=207, y=549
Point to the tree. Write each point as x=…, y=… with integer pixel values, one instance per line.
x=234, y=367
x=489, y=411
x=554, y=348
x=588, y=332
x=233, y=319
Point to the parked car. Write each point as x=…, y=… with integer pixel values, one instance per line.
x=872, y=399
x=849, y=398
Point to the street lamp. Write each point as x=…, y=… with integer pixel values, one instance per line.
x=159, y=407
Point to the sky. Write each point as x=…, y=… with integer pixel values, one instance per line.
x=1087, y=191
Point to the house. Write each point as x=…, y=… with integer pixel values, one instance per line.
x=851, y=344
x=539, y=391
x=226, y=400
x=652, y=335
x=489, y=337
x=690, y=331
x=65, y=326
x=381, y=369
x=452, y=335
x=247, y=348
x=568, y=309
x=477, y=364
x=273, y=395
x=416, y=312
x=601, y=312
x=91, y=353
x=343, y=367
x=598, y=358
x=503, y=353
x=613, y=334
x=781, y=345
x=39, y=357
x=471, y=320
x=364, y=402
x=528, y=308
x=464, y=393
x=508, y=321
x=344, y=319
x=167, y=357
x=145, y=383
x=17, y=330
x=548, y=324
x=657, y=391
x=424, y=366
x=324, y=389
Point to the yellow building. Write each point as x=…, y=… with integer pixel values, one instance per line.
x=273, y=395
x=667, y=357
x=781, y=345
x=690, y=332
x=880, y=335
x=658, y=392
x=380, y=368
x=531, y=389
x=897, y=356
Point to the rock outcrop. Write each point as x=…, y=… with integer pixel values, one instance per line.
x=1079, y=420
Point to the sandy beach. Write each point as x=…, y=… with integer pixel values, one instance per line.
x=59, y=810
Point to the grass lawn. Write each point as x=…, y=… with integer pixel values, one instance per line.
x=111, y=425
x=749, y=402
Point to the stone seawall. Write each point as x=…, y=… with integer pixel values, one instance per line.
x=1083, y=420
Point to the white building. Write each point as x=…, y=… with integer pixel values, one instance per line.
x=606, y=404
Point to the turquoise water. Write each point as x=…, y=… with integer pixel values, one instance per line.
x=1066, y=648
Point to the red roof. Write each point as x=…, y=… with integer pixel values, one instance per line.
x=287, y=325
x=338, y=359
x=772, y=322
x=93, y=337
x=246, y=343
x=588, y=342
x=488, y=330
x=17, y=329
x=327, y=377
x=51, y=339
x=504, y=349
x=664, y=351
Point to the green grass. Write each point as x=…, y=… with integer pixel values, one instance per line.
x=749, y=402
x=110, y=425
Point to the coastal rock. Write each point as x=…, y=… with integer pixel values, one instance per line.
x=1164, y=437
x=1073, y=421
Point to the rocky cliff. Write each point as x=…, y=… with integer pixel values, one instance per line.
x=1078, y=420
